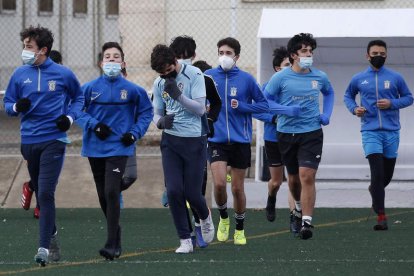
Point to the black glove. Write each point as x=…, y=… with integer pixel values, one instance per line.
x=63, y=123
x=166, y=122
x=23, y=105
x=274, y=119
x=210, y=127
x=102, y=131
x=128, y=139
x=170, y=86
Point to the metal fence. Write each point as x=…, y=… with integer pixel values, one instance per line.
x=81, y=27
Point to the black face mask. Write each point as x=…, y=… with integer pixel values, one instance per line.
x=172, y=75
x=377, y=61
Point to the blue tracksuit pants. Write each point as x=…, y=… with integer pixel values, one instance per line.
x=45, y=162
x=183, y=160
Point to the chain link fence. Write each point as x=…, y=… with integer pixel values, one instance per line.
x=80, y=28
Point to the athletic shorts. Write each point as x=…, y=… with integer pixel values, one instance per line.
x=237, y=155
x=274, y=158
x=301, y=150
x=381, y=141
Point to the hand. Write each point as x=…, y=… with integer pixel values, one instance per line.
x=166, y=122
x=294, y=110
x=128, y=139
x=234, y=103
x=274, y=119
x=23, y=105
x=63, y=123
x=210, y=127
x=323, y=119
x=383, y=103
x=359, y=111
x=170, y=86
x=102, y=131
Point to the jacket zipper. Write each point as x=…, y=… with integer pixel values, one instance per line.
x=38, y=79
x=227, y=113
x=377, y=94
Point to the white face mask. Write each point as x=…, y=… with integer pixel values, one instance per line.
x=111, y=69
x=226, y=62
x=305, y=62
x=28, y=57
x=185, y=61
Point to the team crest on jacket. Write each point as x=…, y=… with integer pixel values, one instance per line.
x=52, y=85
x=181, y=86
x=387, y=84
x=314, y=84
x=124, y=94
x=233, y=91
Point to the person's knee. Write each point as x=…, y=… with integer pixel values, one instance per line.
x=127, y=182
x=237, y=190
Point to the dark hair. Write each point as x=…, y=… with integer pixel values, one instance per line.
x=183, y=46
x=377, y=42
x=296, y=42
x=279, y=54
x=109, y=45
x=55, y=56
x=161, y=57
x=232, y=43
x=42, y=36
x=202, y=65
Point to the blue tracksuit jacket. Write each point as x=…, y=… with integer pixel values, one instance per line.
x=51, y=88
x=373, y=85
x=234, y=125
x=120, y=104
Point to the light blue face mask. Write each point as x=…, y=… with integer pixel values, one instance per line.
x=305, y=62
x=28, y=57
x=111, y=69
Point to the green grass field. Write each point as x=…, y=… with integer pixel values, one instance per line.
x=343, y=244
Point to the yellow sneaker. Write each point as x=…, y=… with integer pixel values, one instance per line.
x=239, y=237
x=223, y=229
x=228, y=178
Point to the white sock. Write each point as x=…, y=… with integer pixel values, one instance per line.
x=298, y=206
x=308, y=219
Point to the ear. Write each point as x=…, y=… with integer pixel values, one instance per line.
x=368, y=57
x=123, y=64
x=236, y=58
x=277, y=68
x=43, y=50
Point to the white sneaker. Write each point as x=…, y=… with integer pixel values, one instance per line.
x=207, y=228
x=186, y=246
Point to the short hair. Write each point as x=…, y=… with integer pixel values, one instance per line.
x=109, y=45
x=377, y=42
x=42, y=36
x=161, y=57
x=296, y=42
x=202, y=65
x=232, y=43
x=55, y=56
x=183, y=46
x=279, y=55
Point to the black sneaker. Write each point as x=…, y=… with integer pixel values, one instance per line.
x=270, y=208
x=381, y=225
x=107, y=253
x=295, y=221
x=305, y=231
